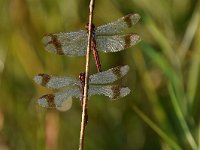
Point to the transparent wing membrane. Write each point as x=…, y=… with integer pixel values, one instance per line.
x=109, y=76
x=66, y=43
x=57, y=99
x=112, y=91
x=119, y=25
x=54, y=82
x=117, y=42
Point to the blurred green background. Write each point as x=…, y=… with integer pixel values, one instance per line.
x=163, y=109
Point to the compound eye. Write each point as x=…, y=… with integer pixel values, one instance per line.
x=87, y=26
x=82, y=76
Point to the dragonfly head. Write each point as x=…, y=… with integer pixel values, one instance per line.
x=82, y=77
x=87, y=26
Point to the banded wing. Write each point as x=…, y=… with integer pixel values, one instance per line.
x=109, y=76
x=66, y=43
x=114, y=92
x=117, y=42
x=104, y=77
x=54, y=82
x=57, y=99
x=119, y=25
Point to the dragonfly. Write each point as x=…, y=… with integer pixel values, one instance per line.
x=99, y=84
x=106, y=38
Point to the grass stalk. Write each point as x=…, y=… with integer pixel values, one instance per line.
x=86, y=86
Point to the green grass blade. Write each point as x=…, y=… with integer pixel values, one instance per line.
x=159, y=131
x=181, y=119
x=160, y=39
x=169, y=71
x=190, y=33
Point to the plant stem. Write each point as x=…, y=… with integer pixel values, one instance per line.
x=85, y=96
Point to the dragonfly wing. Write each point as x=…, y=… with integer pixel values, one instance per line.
x=66, y=43
x=119, y=25
x=117, y=42
x=114, y=92
x=109, y=76
x=57, y=99
x=54, y=82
